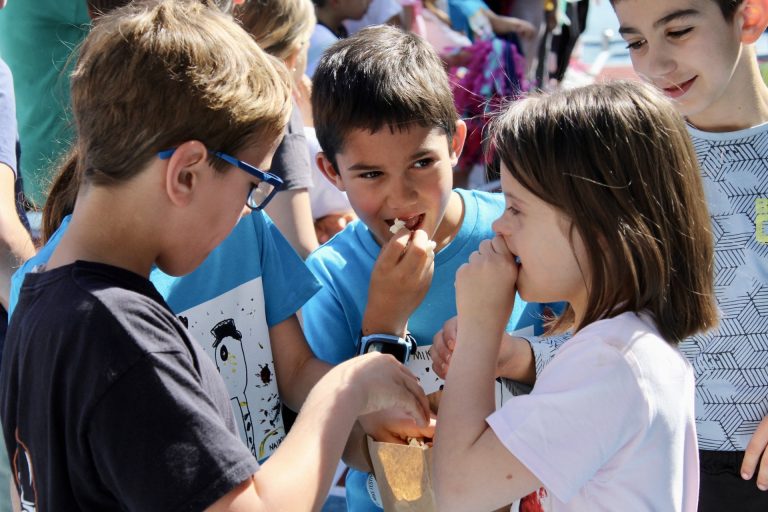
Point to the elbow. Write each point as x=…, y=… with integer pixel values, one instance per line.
x=447, y=502
x=447, y=487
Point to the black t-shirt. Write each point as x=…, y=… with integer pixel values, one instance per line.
x=108, y=404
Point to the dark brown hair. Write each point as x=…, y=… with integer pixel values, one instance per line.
x=617, y=160
x=379, y=77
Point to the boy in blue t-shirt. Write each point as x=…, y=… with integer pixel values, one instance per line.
x=390, y=134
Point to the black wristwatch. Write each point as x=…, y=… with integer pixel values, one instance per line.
x=401, y=348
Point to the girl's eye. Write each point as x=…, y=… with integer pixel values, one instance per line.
x=369, y=174
x=513, y=210
x=676, y=34
x=635, y=45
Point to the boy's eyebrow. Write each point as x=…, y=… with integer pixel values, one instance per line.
x=362, y=167
x=367, y=167
x=673, y=16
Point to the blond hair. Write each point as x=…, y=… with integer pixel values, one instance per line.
x=280, y=27
x=156, y=73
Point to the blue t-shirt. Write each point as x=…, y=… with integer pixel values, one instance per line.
x=333, y=317
x=252, y=281
x=462, y=11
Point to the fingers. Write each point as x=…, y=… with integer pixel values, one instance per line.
x=443, y=344
x=499, y=247
x=420, y=410
x=395, y=248
x=755, y=450
x=397, y=387
x=762, y=475
x=527, y=30
x=392, y=426
x=440, y=355
x=411, y=245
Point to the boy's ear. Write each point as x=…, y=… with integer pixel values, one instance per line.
x=754, y=14
x=182, y=174
x=457, y=143
x=329, y=171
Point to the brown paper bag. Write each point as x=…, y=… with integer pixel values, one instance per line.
x=404, y=473
x=404, y=476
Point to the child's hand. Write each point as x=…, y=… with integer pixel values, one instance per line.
x=505, y=24
x=329, y=225
x=485, y=287
x=755, y=450
x=514, y=361
x=382, y=383
x=522, y=28
x=392, y=426
x=442, y=347
x=400, y=279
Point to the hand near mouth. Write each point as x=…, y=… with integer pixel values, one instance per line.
x=400, y=279
x=485, y=287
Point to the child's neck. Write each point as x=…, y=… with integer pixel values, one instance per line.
x=97, y=237
x=743, y=105
x=451, y=223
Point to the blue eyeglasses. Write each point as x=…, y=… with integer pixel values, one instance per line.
x=261, y=193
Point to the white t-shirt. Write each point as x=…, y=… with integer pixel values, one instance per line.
x=609, y=424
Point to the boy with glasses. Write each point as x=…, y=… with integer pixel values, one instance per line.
x=130, y=412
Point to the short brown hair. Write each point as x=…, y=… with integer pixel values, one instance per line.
x=380, y=76
x=279, y=26
x=156, y=73
x=617, y=159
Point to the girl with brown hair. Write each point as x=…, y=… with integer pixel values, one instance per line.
x=605, y=211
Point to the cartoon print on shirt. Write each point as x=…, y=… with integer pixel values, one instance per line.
x=230, y=361
x=24, y=477
x=242, y=351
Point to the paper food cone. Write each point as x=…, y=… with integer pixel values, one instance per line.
x=404, y=476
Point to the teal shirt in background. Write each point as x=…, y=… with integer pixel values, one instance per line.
x=37, y=39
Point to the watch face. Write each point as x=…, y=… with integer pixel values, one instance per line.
x=400, y=352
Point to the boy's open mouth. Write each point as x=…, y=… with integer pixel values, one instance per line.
x=678, y=90
x=410, y=223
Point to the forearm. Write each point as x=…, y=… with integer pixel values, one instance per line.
x=297, y=370
x=381, y=321
x=15, y=243
x=356, y=453
x=516, y=360
x=468, y=398
x=303, y=380
x=310, y=453
x=472, y=469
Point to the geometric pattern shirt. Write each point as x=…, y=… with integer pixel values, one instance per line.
x=731, y=361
